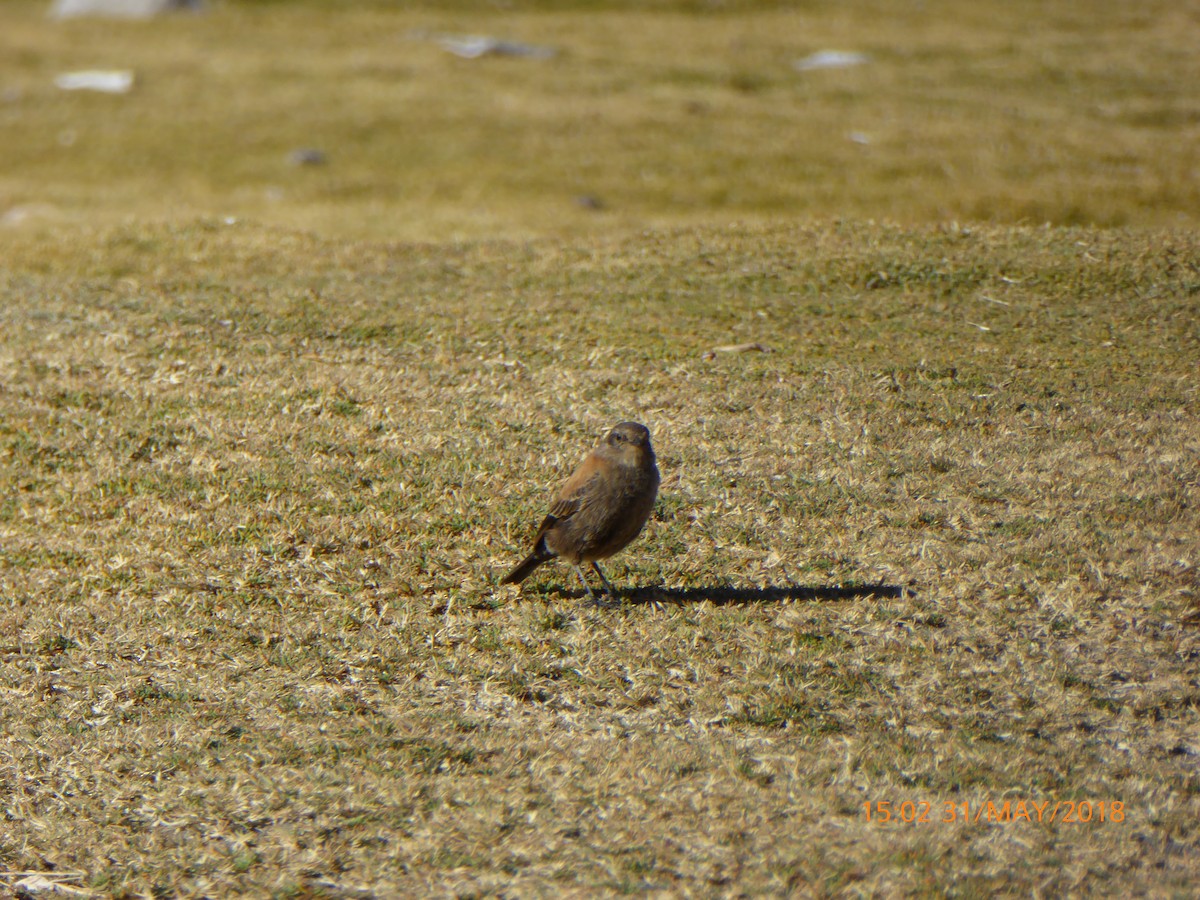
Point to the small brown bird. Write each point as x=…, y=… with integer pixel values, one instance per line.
x=601, y=508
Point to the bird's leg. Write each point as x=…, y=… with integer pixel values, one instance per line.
x=586, y=587
x=608, y=588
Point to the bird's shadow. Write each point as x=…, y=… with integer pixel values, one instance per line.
x=724, y=596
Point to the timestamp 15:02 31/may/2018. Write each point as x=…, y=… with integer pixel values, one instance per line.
x=1067, y=812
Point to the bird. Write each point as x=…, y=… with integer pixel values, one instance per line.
x=600, y=509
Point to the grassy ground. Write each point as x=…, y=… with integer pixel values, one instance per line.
x=262, y=462
x=258, y=489
x=1006, y=111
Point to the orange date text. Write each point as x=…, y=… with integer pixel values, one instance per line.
x=1043, y=812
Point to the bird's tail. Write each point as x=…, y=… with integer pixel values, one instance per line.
x=539, y=555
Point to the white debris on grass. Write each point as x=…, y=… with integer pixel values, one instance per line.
x=107, y=81
x=475, y=46
x=830, y=59
x=120, y=9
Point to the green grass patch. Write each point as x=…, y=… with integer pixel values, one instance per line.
x=916, y=342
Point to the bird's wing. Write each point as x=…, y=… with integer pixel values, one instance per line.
x=571, y=499
x=564, y=508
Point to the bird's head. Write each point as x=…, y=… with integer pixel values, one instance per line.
x=630, y=439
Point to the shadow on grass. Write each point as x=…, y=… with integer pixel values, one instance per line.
x=721, y=596
x=725, y=596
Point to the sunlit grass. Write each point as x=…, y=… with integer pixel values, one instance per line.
x=682, y=114
x=937, y=544
x=270, y=434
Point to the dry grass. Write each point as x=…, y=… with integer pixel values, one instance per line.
x=257, y=489
x=1005, y=111
x=261, y=465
